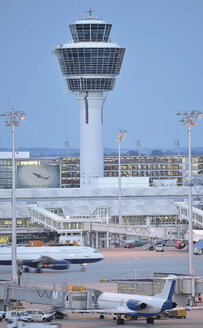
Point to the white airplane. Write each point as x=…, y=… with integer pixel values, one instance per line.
x=136, y=305
x=51, y=257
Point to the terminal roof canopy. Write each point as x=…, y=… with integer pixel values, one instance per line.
x=130, y=207
x=22, y=210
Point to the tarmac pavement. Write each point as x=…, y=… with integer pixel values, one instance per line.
x=118, y=263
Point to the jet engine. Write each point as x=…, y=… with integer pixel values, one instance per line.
x=135, y=305
x=58, y=265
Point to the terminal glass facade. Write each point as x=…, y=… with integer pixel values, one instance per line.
x=154, y=167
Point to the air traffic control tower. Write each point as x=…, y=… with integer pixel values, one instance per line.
x=90, y=64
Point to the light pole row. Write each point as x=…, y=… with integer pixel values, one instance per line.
x=13, y=119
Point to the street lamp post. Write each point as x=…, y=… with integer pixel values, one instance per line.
x=13, y=119
x=189, y=118
x=120, y=137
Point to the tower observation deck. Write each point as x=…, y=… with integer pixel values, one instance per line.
x=90, y=64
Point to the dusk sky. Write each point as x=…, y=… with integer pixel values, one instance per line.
x=161, y=74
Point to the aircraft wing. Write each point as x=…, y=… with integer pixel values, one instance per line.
x=188, y=308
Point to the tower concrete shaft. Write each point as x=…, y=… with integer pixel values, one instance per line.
x=91, y=135
x=90, y=64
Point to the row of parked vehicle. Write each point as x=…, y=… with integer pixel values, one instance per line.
x=133, y=244
x=30, y=315
x=158, y=246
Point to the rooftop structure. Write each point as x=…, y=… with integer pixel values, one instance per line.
x=90, y=64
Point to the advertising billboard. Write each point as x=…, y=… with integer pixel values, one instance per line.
x=38, y=176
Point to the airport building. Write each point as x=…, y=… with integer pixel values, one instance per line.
x=48, y=209
x=90, y=216
x=159, y=170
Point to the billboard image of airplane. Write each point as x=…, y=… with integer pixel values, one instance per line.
x=38, y=176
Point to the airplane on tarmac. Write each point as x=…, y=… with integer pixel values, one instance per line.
x=51, y=257
x=136, y=306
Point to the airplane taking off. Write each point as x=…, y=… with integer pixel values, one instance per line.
x=137, y=305
x=40, y=176
x=51, y=257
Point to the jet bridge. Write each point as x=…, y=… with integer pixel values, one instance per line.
x=98, y=224
x=76, y=298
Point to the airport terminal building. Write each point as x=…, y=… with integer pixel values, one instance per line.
x=65, y=171
x=90, y=216
x=153, y=199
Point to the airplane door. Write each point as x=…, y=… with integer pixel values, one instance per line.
x=67, y=301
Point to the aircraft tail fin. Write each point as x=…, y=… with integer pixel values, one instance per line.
x=168, y=289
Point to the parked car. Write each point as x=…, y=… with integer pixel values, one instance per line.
x=159, y=248
x=38, y=315
x=179, y=244
x=135, y=243
x=130, y=245
x=151, y=248
x=19, y=315
x=198, y=251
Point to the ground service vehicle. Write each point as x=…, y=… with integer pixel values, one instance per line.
x=19, y=315
x=38, y=315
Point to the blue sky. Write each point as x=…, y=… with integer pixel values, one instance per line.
x=162, y=71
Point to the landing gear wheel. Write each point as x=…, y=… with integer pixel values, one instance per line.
x=150, y=320
x=120, y=321
x=83, y=267
x=38, y=270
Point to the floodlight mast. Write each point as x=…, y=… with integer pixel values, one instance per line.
x=120, y=137
x=13, y=119
x=189, y=118
x=138, y=144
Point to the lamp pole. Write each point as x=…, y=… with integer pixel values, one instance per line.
x=189, y=118
x=67, y=145
x=138, y=144
x=120, y=137
x=13, y=119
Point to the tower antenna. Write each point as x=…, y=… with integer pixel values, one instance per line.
x=90, y=11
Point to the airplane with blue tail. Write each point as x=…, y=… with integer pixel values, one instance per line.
x=135, y=306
